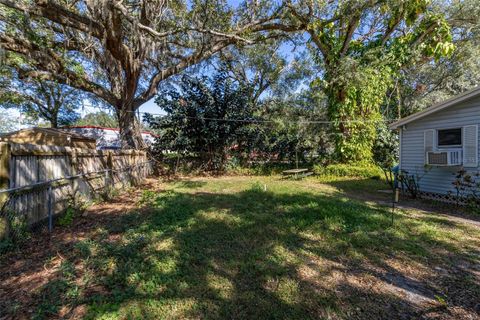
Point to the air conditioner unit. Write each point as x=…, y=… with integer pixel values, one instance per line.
x=445, y=158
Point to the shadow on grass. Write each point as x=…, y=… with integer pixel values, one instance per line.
x=371, y=189
x=189, y=184
x=257, y=255
x=364, y=189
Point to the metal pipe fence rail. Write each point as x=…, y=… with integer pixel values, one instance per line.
x=36, y=206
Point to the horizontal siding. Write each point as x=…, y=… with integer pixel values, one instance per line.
x=436, y=179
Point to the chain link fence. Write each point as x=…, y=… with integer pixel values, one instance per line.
x=40, y=206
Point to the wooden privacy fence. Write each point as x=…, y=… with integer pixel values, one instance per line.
x=39, y=182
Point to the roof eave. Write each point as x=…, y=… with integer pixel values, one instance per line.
x=435, y=108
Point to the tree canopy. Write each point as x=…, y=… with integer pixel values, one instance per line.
x=266, y=68
x=429, y=82
x=55, y=103
x=205, y=117
x=367, y=62
x=99, y=119
x=362, y=46
x=121, y=51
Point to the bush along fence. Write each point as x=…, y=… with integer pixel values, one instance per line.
x=40, y=183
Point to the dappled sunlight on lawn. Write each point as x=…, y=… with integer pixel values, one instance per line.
x=246, y=248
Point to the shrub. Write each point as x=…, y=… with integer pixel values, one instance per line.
x=385, y=152
x=66, y=219
x=5, y=245
x=260, y=169
x=410, y=183
x=76, y=206
x=193, y=125
x=3, y=228
x=349, y=170
x=467, y=186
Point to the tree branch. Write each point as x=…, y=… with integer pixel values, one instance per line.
x=180, y=66
x=56, y=13
x=160, y=35
x=423, y=35
x=390, y=30
x=352, y=26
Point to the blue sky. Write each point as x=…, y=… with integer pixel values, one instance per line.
x=150, y=106
x=285, y=50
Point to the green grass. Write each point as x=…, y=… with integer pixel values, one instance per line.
x=256, y=248
x=349, y=170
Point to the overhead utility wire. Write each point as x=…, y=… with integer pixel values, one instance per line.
x=267, y=121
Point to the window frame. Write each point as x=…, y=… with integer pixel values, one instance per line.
x=450, y=145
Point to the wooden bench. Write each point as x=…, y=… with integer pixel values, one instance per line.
x=297, y=173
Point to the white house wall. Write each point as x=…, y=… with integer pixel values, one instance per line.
x=436, y=179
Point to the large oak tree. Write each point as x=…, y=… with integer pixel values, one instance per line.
x=121, y=51
x=362, y=46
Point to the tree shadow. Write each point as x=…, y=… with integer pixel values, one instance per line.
x=368, y=190
x=189, y=184
x=256, y=254
x=362, y=189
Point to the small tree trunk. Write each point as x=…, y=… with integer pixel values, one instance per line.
x=399, y=103
x=54, y=121
x=336, y=98
x=130, y=132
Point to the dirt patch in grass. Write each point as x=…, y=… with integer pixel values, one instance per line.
x=246, y=247
x=27, y=271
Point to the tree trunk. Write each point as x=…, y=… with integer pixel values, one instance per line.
x=54, y=121
x=130, y=131
x=354, y=109
x=336, y=100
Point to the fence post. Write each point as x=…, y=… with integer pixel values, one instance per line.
x=74, y=170
x=109, y=167
x=106, y=178
x=5, y=155
x=50, y=207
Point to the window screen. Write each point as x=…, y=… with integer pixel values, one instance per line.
x=450, y=137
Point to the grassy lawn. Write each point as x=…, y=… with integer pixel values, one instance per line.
x=261, y=248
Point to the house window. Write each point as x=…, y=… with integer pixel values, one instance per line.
x=450, y=137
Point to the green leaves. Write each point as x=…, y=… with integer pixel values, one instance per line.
x=457, y=70
x=100, y=119
x=205, y=117
x=362, y=47
x=354, y=109
x=434, y=37
x=444, y=49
